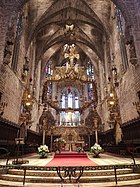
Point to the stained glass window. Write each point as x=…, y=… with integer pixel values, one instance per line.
x=19, y=27
x=120, y=29
x=90, y=71
x=48, y=69
x=69, y=99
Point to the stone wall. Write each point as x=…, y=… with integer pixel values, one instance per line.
x=12, y=96
x=10, y=81
x=129, y=82
x=127, y=95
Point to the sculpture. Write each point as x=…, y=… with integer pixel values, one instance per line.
x=9, y=42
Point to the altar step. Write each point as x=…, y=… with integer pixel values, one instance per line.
x=15, y=178
x=86, y=173
x=70, y=155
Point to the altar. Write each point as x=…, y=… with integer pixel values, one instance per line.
x=72, y=145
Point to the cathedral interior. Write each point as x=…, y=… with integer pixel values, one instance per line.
x=70, y=69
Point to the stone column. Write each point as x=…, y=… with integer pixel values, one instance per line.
x=43, y=140
x=51, y=147
x=53, y=91
x=89, y=141
x=44, y=132
x=85, y=92
x=96, y=129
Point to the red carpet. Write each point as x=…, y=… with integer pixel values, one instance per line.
x=71, y=159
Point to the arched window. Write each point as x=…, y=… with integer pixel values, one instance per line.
x=120, y=29
x=17, y=42
x=90, y=70
x=69, y=102
x=70, y=99
x=76, y=102
x=90, y=74
x=48, y=69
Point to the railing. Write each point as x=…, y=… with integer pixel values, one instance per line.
x=4, y=153
x=70, y=172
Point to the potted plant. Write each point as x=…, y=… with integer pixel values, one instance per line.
x=59, y=143
x=43, y=151
x=96, y=150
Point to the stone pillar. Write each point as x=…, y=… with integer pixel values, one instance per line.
x=85, y=92
x=96, y=129
x=44, y=131
x=51, y=147
x=89, y=141
x=53, y=91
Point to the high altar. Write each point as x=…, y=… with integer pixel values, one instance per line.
x=69, y=96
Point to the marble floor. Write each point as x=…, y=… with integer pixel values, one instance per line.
x=105, y=159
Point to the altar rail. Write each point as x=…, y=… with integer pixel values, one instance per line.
x=71, y=172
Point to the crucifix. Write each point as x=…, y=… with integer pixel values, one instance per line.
x=71, y=55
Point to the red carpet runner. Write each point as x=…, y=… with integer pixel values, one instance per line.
x=71, y=159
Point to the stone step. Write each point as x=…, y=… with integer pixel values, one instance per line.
x=32, y=179
x=96, y=179
x=86, y=173
x=133, y=183
x=83, y=179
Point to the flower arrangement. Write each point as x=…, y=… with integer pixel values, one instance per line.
x=96, y=149
x=80, y=149
x=43, y=150
x=59, y=143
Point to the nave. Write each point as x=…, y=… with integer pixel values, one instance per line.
x=70, y=81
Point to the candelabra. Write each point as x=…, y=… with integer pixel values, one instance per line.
x=114, y=115
x=114, y=72
x=27, y=102
x=25, y=69
x=24, y=120
x=96, y=122
x=115, y=76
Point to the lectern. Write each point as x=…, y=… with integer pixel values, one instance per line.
x=19, y=152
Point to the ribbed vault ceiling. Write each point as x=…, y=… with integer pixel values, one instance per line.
x=47, y=21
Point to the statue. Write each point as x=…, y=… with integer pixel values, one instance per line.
x=129, y=40
x=118, y=133
x=9, y=42
x=132, y=52
x=23, y=130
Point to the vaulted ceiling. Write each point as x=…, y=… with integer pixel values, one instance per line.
x=47, y=22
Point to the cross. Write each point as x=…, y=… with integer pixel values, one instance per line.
x=71, y=55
